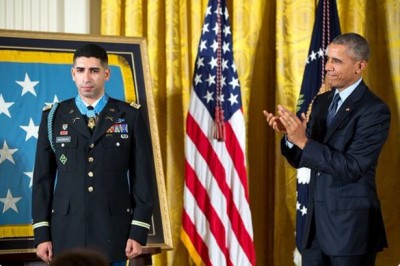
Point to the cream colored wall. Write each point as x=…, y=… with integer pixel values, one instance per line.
x=66, y=16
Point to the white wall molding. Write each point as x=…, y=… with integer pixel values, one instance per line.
x=68, y=16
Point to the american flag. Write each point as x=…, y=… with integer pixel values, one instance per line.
x=326, y=28
x=34, y=79
x=216, y=222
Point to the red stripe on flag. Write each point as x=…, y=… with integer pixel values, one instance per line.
x=203, y=202
x=195, y=238
x=217, y=169
x=237, y=155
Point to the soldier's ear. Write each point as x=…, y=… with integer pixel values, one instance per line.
x=108, y=73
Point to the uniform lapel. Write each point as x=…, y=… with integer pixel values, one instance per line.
x=107, y=118
x=75, y=119
x=345, y=109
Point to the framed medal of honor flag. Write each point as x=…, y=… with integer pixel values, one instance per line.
x=36, y=71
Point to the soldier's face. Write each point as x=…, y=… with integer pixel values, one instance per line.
x=90, y=76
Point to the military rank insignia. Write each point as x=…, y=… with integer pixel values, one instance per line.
x=47, y=107
x=135, y=105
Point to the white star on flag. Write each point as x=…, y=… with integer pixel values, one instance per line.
x=6, y=153
x=233, y=67
x=55, y=100
x=213, y=63
x=233, y=99
x=234, y=83
x=4, y=106
x=28, y=85
x=197, y=79
x=10, y=202
x=30, y=175
x=209, y=96
x=205, y=28
x=227, y=30
x=313, y=56
x=31, y=130
x=200, y=62
x=320, y=52
x=203, y=45
x=225, y=47
x=303, y=210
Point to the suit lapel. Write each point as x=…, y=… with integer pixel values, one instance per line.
x=345, y=109
x=319, y=129
x=107, y=118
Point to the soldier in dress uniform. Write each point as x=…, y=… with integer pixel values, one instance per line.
x=92, y=183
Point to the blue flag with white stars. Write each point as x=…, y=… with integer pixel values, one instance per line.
x=326, y=28
x=32, y=81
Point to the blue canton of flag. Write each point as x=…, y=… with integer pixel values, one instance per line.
x=326, y=28
x=24, y=91
x=216, y=80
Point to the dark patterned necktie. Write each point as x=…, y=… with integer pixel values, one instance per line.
x=332, y=109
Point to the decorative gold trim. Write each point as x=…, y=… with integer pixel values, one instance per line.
x=156, y=148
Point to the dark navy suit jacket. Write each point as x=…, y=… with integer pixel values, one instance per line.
x=343, y=159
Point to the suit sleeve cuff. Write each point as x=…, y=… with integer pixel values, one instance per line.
x=42, y=234
x=139, y=232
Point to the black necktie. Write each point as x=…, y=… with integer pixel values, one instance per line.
x=332, y=109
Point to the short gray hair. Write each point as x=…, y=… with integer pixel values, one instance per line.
x=357, y=46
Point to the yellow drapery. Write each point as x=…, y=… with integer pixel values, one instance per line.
x=270, y=40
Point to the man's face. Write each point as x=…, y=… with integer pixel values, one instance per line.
x=90, y=76
x=341, y=69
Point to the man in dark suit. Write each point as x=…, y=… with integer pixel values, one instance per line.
x=92, y=183
x=340, y=143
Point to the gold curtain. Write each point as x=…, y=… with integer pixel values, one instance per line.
x=270, y=44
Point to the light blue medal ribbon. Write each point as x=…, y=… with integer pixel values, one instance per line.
x=97, y=109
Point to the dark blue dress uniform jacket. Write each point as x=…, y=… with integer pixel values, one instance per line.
x=94, y=190
x=343, y=159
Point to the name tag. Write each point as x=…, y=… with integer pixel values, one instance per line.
x=63, y=139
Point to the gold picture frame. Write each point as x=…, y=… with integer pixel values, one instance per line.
x=129, y=55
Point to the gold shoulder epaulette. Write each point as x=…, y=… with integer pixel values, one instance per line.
x=135, y=105
x=47, y=107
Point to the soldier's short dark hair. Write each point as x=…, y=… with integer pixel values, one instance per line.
x=92, y=50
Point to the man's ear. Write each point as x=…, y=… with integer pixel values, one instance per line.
x=360, y=67
x=108, y=74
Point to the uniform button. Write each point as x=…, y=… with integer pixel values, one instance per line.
x=117, y=144
x=90, y=174
x=91, y=146
x=318, y=174
x=90, y=189
x=62, y=144
x=52, y=211
x=90, y=159
x=128, y=210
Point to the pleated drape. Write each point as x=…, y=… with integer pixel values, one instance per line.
x=270, y=44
